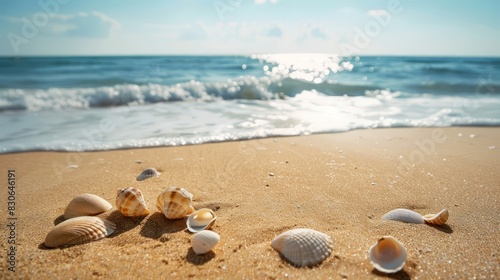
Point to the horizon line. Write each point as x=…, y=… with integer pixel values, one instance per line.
x=248, y=54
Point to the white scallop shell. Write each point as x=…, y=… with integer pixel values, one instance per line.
x=404, y=215
x=388, y=255
x=79, y=230
x=86, y=205
x=148, y=173
x=200, y=220
x=204, y=241
x=437, y=219
x=175, y=203
x=130, y=202
x=303, y=247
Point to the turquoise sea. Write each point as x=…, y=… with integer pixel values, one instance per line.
x=105, y=103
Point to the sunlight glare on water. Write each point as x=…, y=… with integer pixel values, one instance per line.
x=204, y=99
x=310, y=67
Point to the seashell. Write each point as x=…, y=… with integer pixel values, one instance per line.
x=131, y=202
x=86, y=205
x=204, y=241
x=175, y=203
x=404, y=215
x=303, y=247
x=79, y=230
x=148, y=173
x=387, y=255
x=437, y=219
x=200, y=220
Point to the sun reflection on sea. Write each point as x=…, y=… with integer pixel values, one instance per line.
x=310, y=67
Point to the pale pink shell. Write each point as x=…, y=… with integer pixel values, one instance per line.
x=86, y=205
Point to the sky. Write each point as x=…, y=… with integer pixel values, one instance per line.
x=218, y=27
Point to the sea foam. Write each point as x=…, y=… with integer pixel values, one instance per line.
x=102, y=103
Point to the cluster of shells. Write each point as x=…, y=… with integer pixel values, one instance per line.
x=82, y=226
x=301, y=247
x=307, y=247
x=388, y=255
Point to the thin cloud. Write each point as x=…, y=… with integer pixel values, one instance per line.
x=228, y=30
x=377, y=13
x=12, y=19
x=314, y=31
x=265, y=1
x=90, y=25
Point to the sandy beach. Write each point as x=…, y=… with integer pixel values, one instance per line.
x=340, y=184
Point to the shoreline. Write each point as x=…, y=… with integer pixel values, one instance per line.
x=337, y=183
x=249, y=139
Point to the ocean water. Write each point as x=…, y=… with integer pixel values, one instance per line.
x=105, y=103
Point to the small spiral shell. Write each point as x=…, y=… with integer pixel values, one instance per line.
x=204, y=241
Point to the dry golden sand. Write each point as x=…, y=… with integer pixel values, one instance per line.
x=340, y=184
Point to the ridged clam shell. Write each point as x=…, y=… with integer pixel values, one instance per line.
x=388, y=255
x=148, y=173
x=86, y=205
x=204, y=241
x=404, y=215
x=437, y=219
x=130, y=202
x=175, y=203
x=79, y=230
x=200, y=220
x=303, y=247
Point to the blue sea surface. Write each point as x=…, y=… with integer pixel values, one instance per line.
x=105, y=103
